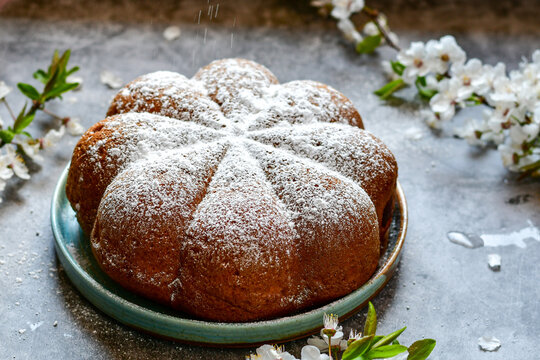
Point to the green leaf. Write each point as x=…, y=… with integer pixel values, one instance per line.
x=386, y=351
x=357, y=348
x=421, y=81
x=72, y=70
x=29, y=91
x=397, y=67
x=395, y=342
x=41, y=76
x=370, y=327
x=421, y=349
x=59, y=90
x=21, y=124
x=6, y=135
x=368, y=44
x=52, y=81
x=390, y=88
x=376, y=339
x=530, y=167
x=426, y=94
x=389, y=338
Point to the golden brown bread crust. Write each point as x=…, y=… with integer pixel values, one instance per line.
x=228, y=215
x=86, y=182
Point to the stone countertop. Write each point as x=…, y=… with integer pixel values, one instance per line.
x=441, y=290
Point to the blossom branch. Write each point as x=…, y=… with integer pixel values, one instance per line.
x=15, y=140
x=373, y=14
x=368, y=346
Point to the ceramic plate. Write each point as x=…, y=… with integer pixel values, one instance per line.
x=73, y=250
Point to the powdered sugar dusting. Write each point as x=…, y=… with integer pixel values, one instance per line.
x=169, y=94
x=133, y=136
x=240, y=210
x=313, y=193
x=233, y=174
x=355, y=153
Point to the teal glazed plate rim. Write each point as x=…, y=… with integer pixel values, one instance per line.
x=73, y=251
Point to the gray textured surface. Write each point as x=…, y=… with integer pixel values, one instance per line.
x=441, y=290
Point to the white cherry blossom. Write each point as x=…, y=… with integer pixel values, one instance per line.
x=491, y=74
x=269, y=352
x=4, y=90
x=370, y=29
x=52, y=137
x=444, y=52
x=472, y=131
x=310, y=352
x=430, y=118
x=349, y=30
x=343, y=9
x=30, y=147
x=74, y=127
x=444, y=102
x=5, y=167
x=16, y=162
x=470, y=75
x=415, y=61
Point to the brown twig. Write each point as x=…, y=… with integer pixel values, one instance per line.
x=9, y=109
x=373, y=14
x=57, y=117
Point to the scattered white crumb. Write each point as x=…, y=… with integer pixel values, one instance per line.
x=414, y=133
x=494, y=262
x=72, y=99
x=489, y=343
x=172, y=33
x=22, y=331
x=18, y=280
x=111, y=80
x=55, y=323
x=17, y=303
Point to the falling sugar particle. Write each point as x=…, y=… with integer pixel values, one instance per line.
x=471, y=241
x=232, y=37
x=111, y=80
x=494, y=262
x=205, y=33
x=489, y=343
x=172, y=33
x=199, y=20
x=217, y=9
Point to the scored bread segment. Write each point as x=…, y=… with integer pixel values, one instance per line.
x=232, y=197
